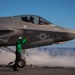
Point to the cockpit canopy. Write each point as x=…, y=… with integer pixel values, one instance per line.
x=32, y=19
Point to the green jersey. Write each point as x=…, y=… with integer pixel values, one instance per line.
x=19, y=44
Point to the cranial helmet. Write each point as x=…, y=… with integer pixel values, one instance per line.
x=20, y=38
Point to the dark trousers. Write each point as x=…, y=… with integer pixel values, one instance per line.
x=18, y=57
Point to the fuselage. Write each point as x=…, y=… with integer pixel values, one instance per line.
x=37, y=34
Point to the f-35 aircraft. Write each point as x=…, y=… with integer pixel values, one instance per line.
x=37, y=30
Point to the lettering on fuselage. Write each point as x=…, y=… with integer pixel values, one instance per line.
x=42, y=36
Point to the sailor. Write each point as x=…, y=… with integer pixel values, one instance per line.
x=19, y=44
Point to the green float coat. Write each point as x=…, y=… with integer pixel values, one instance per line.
x=19, y=44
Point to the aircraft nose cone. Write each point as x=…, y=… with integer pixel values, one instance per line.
x=68, y=30
x=70, y=33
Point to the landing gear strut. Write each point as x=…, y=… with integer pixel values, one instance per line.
x=22, y=61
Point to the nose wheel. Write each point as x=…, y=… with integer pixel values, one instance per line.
x=21, y=63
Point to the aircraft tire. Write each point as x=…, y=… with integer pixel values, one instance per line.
x=21, y=63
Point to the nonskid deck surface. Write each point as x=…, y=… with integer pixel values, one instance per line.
x=38, y=71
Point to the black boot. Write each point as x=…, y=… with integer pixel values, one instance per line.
x=14, y=68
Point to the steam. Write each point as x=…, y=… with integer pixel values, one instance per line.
x=51, y=58
x=44, y=57
x=6, y=57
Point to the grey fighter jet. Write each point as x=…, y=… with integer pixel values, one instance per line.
x=37, y=30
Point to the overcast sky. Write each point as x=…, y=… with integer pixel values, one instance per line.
x=59, y=12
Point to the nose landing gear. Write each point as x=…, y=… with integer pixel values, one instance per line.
x=22, y=61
